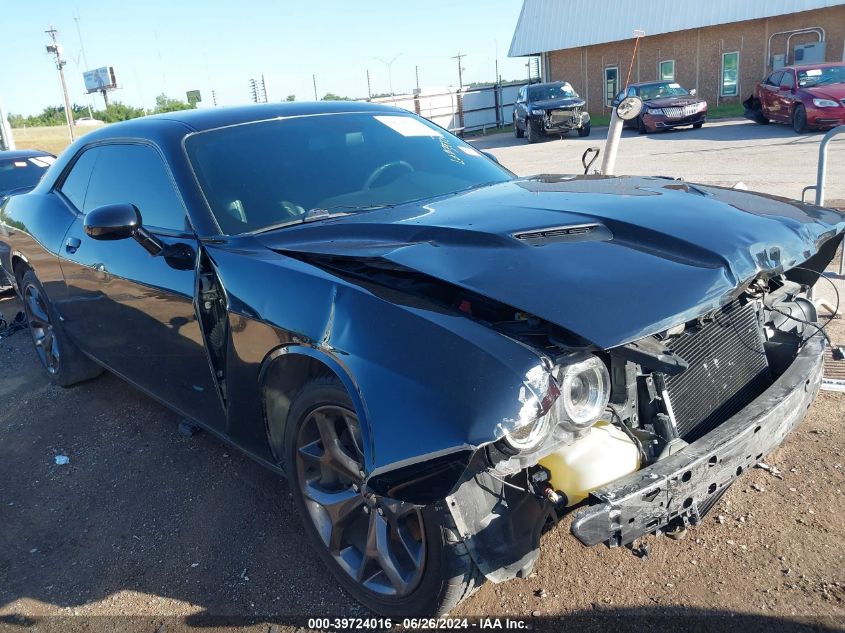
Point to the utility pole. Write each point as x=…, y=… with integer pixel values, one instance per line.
x=7, y=141
x=56, y=49
x=314, y=80
x=369, y=86
x=417, y=75
x=459, y=57
x=214, y=98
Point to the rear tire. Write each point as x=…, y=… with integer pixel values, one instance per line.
x=63, y=361
x=584, y=130
x=442, y=570
x=799, y=119
x=516, y=131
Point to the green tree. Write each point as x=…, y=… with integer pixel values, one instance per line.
x=291, y=98
x=330, y=96
x=118, y=111
x=166, y=104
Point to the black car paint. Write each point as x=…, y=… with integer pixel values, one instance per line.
x=428, y=382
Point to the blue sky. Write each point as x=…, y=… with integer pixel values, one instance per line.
x=172, y=46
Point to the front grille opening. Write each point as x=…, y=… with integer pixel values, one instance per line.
x=728, y=369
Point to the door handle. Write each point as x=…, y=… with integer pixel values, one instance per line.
x=71, y=244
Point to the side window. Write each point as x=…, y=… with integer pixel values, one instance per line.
x=76, y=182
x=521, y=96
x=774, y=78
x=788, y=80
x=135, y=174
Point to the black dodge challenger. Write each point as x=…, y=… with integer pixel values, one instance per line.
x=441, y=357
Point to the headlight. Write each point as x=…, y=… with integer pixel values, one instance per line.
x=538, y=112
x=654, y=111
x=825, y=103
x=584, y=394
x=701, y=106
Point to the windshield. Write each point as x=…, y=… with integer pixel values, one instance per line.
x=551, y=91
x=260, y=175
x=22, y=173
x=661, y=90
x=821, y=76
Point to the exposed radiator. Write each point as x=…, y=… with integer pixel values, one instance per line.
x=728, y=369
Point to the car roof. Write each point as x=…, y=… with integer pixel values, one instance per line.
x=808, y=66
x=22, y=153
x=548, y=83
x=651, y=83
x=210, y=118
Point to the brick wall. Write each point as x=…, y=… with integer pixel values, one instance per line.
x=698, y=55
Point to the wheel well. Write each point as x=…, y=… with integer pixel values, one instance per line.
x=19, y=268
x=282, y=380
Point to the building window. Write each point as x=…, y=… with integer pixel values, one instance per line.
x=730, y=74
x=611, y=84
x=667, y=70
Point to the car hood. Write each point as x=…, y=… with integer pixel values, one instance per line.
x=551, y=104
x=622, y=257
x=835, y=92
x=666, y=102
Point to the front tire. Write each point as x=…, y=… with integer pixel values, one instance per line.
x=799, y=119
x=532, y=131
x=584, y=130
x=516, y=131
x=396, y=559
x=63, y=361
x=697, y=126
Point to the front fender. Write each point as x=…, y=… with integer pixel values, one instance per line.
x=428, y=383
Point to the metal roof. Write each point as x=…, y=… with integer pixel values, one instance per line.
x=550, y=25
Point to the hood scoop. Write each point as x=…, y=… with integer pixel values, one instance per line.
x=570, y=233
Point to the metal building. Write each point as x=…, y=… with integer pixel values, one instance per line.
x=720, y=47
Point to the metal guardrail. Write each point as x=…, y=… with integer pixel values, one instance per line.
x=821, y=179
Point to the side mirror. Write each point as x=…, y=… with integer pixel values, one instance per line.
x=490, y=156
x=112, y=222
x=119, y=221
x=693, y=92
x=629, y=108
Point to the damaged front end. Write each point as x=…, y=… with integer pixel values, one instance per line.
x=682, y=414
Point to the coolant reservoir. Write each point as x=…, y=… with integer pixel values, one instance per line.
x=604, y=454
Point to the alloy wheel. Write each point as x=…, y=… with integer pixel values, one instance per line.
x=41, y=328
x=378, y=542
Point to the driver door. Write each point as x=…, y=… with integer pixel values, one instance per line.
x=132, y=311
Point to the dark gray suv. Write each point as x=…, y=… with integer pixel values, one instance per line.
x=542, y=109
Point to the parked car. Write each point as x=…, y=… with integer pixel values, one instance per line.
x=666, y=104
x=443, y=358
x=87, y=121
x=809, y=97
x=20, y=171
x=548, y=108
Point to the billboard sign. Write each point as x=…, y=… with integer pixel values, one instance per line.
x=100, y=79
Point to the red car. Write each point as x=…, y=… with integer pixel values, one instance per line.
x=810, y=97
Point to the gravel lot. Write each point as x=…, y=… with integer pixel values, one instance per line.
x=181, y=531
